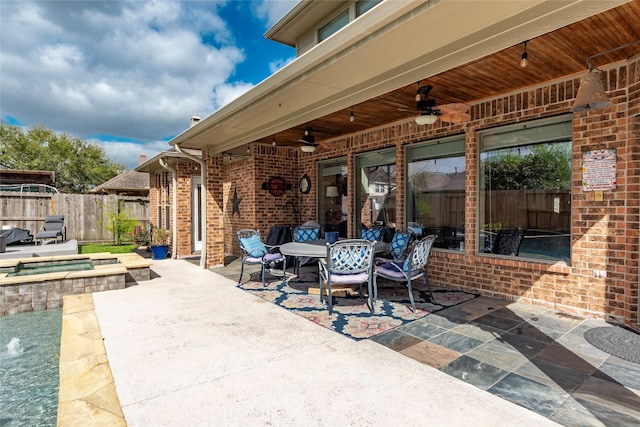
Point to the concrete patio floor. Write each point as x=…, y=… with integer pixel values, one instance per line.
x=190, y=348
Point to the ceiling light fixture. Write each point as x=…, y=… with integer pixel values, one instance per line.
x=524, y=59
x=591, y=94
x=273, y=141
x=351, y=116
x=426, y=119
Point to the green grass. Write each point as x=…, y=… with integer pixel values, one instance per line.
x=93, y=248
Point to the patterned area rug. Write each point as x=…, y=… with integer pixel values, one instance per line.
x=351, y=314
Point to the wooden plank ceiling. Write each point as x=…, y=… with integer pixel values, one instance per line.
x=559, y=53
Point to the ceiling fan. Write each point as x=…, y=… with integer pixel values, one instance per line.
x=430, y=113
x=308, y=141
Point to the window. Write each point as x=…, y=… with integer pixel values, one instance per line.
x=334, y=25
x=525, y=182
x=363, y=6
x=333, y=210
x=436, y=191
x=376, y=171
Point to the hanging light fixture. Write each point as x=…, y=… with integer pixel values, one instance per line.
x=591, y=94
x=524, y=59
x=273, y=141
x=351, y=116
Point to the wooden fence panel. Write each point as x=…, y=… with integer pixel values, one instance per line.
x=86, y=215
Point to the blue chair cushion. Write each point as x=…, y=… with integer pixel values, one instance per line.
x=306, y=234
x=254, y=246
x=398, y=244
x=371, y=234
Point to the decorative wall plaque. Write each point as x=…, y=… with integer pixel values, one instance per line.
x=276, y=186
x=599, y=170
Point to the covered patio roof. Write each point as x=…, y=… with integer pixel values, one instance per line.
x=467, y=51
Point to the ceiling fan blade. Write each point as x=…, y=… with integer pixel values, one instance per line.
x=454, y=113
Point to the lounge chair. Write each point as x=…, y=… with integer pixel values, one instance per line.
x=52, y=229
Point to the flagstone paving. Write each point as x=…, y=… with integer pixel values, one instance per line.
x=529, y=355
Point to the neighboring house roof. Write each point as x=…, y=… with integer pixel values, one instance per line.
x=129, y=181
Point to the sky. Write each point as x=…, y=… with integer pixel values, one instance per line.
x=129, y=75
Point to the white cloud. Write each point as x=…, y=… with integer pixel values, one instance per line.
x=133, y=70
x=272, y=10
x=127, y=153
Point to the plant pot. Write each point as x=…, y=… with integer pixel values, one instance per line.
x=159, y=251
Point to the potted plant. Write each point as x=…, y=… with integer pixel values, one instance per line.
x=159, y=243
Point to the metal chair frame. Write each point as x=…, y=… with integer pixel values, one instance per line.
x=348, y=262
x=269, y=258
x=414, y=267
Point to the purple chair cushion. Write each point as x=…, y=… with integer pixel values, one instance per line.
x=345, y=279
x=393, y=270
x=267, y=258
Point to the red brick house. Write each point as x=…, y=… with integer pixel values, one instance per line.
x=526, y=156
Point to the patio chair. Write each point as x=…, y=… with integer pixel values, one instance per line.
x=255, y=252
x=52, y=229
x=508, y=241
x=414, y=267
x=304, y=234
x=348, y=262
x=397, y=248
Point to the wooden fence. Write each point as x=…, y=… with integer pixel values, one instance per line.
x=85, y=215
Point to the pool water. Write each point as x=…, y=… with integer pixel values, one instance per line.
x=26, y=269
x=29, y=372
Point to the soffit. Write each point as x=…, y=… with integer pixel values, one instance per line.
x=373, y=65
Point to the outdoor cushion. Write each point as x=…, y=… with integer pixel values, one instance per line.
x=372, y=234
x=393, y=270
x=304, y=234
x=342, y=279
x=268, y=258
x=398, y=244
x=254, y=246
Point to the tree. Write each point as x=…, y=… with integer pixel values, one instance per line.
x=78, y=165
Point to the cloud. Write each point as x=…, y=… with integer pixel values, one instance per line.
x=272, y=10
x=127, y=153
x=131, y=70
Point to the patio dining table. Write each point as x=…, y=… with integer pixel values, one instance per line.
x=313, y=249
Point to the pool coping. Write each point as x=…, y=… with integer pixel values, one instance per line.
x=87, y=394
x=126, y=262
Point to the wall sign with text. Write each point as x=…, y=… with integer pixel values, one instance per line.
x=599, y=170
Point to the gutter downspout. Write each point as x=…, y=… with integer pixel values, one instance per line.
x=203, y=203
x=174, y=206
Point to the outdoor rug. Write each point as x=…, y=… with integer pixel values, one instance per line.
x=351, y=315
x=616, y=340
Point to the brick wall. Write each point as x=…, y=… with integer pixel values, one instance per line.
x=604, y=233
